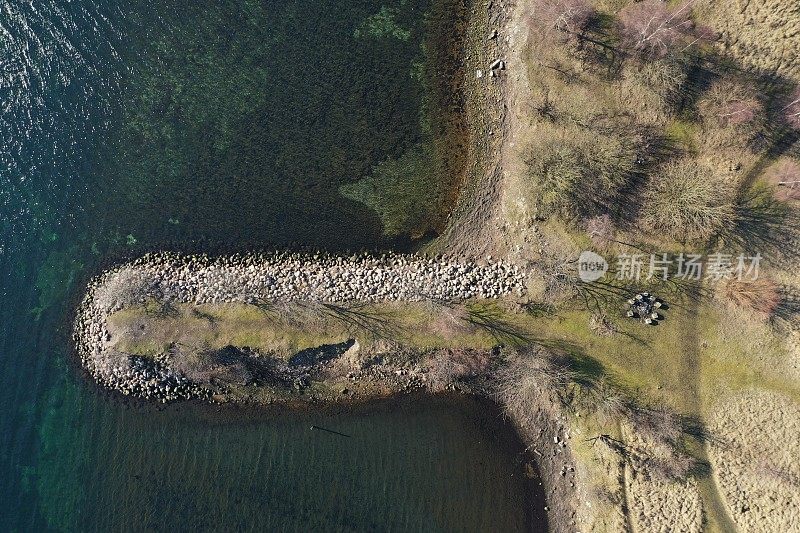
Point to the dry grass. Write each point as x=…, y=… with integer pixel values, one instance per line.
x=762, y=35
x=449, y=321
x=755, y=459
x=661, y=497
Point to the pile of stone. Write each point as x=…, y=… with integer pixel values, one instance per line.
x=644, y=307
x=256, y=278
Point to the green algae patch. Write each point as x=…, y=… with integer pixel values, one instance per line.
x=243, y=132
x=383, y=24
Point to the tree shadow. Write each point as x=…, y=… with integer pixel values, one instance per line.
x=357, y=316
x=163, y=309
x=763, y=224
x=788, y=308
x=701, y=73
x=491, y=320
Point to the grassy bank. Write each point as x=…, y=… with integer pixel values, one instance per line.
x=648, y=363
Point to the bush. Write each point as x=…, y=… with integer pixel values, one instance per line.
x=732, y=105
x=687, y=202
x=791, y=112
x=664, y=78
x=580, y=173
x=529, y=382
x=761, y=295
x=785, y=175
x=600, y=325
x=601, y=230
x=449, y=366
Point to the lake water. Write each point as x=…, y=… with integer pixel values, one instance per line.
x=127, y=126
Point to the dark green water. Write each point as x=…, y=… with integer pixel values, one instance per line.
x=207, y=124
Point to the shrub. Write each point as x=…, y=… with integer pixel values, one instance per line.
x=530, y=381
x=664, y=78
x=791, y=111
x=601, y=325
x=786, y=177
x=687, y=202
x=601, y=230
x=580, y=173
x=658, y=424
x=731, y=104
x=449, y=366
x=760, y=295
x=557, y=269
x=674, y=466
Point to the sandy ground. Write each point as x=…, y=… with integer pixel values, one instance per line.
x=658, y=504
x=755, y=459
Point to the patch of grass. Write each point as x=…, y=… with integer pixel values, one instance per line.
x=683, y=133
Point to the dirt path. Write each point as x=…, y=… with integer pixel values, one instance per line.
x=715, y=509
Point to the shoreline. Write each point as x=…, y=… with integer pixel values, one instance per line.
x=497, y=30
x=259, y=281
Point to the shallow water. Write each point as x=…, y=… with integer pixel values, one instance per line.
x=127, y=126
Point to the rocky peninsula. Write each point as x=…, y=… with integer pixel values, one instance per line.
x=160, y=284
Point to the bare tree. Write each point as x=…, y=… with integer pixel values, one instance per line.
x=651, y=29
x=732, y=104
x=570, y=16
x=687, y=202
x=791, y=111
x=786, y=175
x=529, y=381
